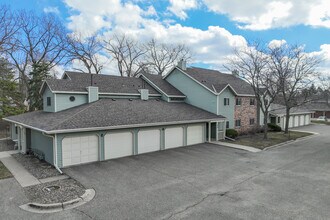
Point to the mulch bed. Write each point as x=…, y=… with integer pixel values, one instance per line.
x=39, y=169
x=67, y=190
x=7, y=145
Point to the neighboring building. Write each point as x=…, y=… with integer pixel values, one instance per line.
x=299, y=116
x=219, y=93
x=89, y=118
x=319, y=107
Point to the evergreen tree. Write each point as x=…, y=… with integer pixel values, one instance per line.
x=11, y=100
x=39, y=73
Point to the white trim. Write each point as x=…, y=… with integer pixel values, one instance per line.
x=24, y=125
x=70, y=92
x=291, y=113
x=55, y=109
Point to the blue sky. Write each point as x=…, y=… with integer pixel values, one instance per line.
x=211, y=27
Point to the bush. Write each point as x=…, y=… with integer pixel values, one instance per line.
x=232, y=133
x=274, y=127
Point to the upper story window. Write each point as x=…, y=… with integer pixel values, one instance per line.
x=72, y=98
x=226, y=101
x=252, y=101
x=238, y=123
x=238, y=101
x=251, y=121
x=49, y=101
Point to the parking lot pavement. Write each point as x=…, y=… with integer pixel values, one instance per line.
x=209, y=181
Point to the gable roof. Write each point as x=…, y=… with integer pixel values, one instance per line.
x=113, y=114
x=77, y=82
x=162, y=85
x=280, y=110
x=217, y=81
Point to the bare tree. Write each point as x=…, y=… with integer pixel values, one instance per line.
x=161, y=57
x=8, y=27
x=252, y=65
x=127, y=53
x=86, y=51
x=39, y=39
x=295, y=71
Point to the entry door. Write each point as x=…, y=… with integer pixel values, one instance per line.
x=173, y=137
x=195, y=134
x=118, y=145
x=148, y=141
x=80, y=149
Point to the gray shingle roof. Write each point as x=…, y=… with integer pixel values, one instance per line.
x=78, y=82
x=162, y=84
x=278, y=109
x=215, y=80
x=317, y=106
x=110, y=113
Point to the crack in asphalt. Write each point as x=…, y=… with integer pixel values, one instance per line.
x=90, y=217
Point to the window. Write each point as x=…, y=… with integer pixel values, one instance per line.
x=16, y=130
x=251, y=121
x=72, y=98
x=252, y=101
x=279, y=120
x=238, y=123
x=226, y=101
x=238, y=101
x=227, y=124
x=49, y=101
x=266, y=102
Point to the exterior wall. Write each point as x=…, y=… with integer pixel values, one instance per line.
x=63, y=101
x=195, y=94
x=42, y=143
x=48, y=93
x=227, y=110
x=245, y=112
x=134, y=131
x=321, y=113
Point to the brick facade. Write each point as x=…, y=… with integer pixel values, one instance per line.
x=245, y=112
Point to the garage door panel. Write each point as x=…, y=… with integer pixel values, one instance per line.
x=173, y=137
x=118, y=145
x=301, y=120
x=195, y=134
x=148, y=141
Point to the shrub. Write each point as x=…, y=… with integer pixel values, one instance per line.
x=274, y=127
x=232, y=133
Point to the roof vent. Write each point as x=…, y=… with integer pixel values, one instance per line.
x=130, y=99
x=113, y=99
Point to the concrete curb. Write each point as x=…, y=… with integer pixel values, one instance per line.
x=237, y=146
x=57, y=207
x=291, y=141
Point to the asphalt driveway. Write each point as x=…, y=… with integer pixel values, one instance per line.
x=206, y=182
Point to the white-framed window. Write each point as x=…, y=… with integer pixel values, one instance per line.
x=226, y=101
x=238, y=123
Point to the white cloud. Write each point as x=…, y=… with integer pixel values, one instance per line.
x=276, y=43
x=178, y=7
x=262, y=15
x=51, y=10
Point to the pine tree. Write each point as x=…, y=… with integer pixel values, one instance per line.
x=11, y=100
x=39, y=73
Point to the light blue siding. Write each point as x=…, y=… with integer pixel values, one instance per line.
x=48, y=93
x=195, y=93
x=63, y=101
x=227, y=110
x=43, y=144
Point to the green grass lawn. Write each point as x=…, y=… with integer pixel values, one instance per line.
x=274, y=138
x=4, y=172
x=321, y=122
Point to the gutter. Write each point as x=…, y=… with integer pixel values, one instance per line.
x=55, y=152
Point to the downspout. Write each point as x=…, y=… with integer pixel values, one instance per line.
x=55, y=153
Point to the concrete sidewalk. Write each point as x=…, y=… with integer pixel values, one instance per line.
x=23, y=177
x=237, y=146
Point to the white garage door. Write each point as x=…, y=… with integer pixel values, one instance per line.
x=291, y=122
x=148, y=141
x=195, y=134
x=307, y=119
x=173, y=137
x=302, y=120
x=296, y=121
x=118, y=145
x=81, y=149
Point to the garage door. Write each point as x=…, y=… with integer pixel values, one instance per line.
x=118, y=145
x=307, y=119
x=81, y=149
x=173, y=137
x=296, y=121
x=195, y=134
x=291, y=122
x=148, y=141
x=302, y=120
